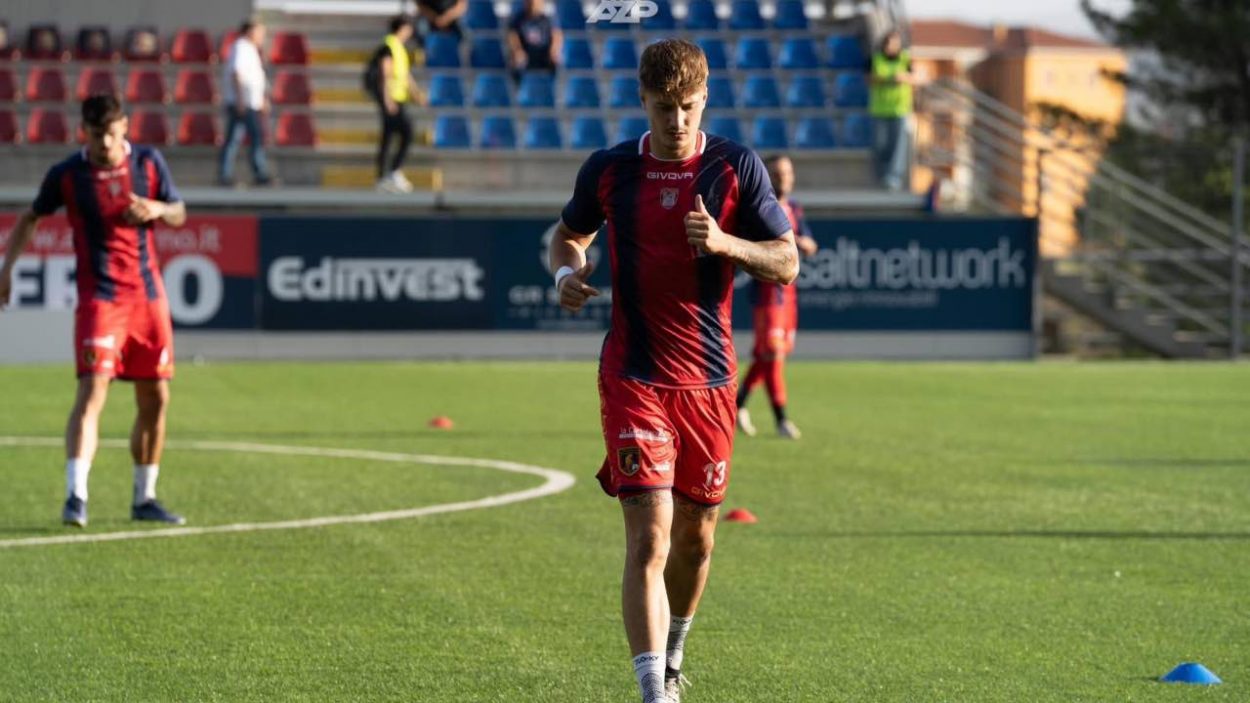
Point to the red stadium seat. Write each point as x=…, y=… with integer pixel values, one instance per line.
x=43, y=43
x=46, y=84
x=96, y=81
x=192, y=46
x=143, y=45
x=296, y=129
x=8, y=86
x=194, y=87
x=198, y=129
x=47, y=127
x=94, y=44
x=227, y=43
x=145, y=86
x=289, y=49
x=292, y=88
x=9, y=133
x=148, y=127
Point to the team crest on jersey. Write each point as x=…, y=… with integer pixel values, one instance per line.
x=668, y=198
x=89, y=357
x=629, y=460
x=115, y=188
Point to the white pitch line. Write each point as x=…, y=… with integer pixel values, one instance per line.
x=555, y=482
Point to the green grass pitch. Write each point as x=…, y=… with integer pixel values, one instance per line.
x=944, y=532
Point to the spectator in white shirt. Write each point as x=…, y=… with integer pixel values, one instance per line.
x=247, y=103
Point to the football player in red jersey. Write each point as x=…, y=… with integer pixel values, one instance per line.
x=682, y=208
x=776, y=314
x=112, y=193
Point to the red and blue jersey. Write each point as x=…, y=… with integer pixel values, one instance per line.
x=670, y=304
x=116, y=260
x=765, y=294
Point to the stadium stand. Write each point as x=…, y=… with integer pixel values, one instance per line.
x=701, y=16
x=481, y=16
x=814, y=133
x=290, y=88
x=588, y=133
x=543, y=133
x=491, y=90
x=94, y=43
x=856, y=131
x=798, y=53
x=8, y=85
x=570, y=17
x=198, y=129
x=10, y=132
x=46, y=84
x=47, y=126
x=663, y=19
x=790, y=15
x=769, y=132
x=745, y=16
x=850, y=90
x=149, y=127
x=451, y=132
x=296, y=129
x=96, y=81
x=806, y=91
x=289, y=49
x=576, y=54
x=581, y=92
x=624, y=92
x=442, y=50
x=619, y=54
x=715, y=51
x=498, y=132
x=145, y=85
x=142, y=45
x=753, y=53
x=760, y=91
x=629, y=128
x=195, y=87
x=537, y=90
x=43, y=43
x=845, y=52
x=727, y=127
x=192, y=46
x=446, y=90
x=487, y=52
x=8, y=51
x=720, y=92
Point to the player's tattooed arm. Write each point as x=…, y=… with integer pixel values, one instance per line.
x=568, y=253
x=776, y=260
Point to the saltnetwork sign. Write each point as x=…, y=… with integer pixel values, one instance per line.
x=849, y=264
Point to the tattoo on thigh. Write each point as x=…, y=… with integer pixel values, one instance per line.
x=648, y=499
x=697, y=512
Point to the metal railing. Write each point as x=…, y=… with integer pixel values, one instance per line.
x=1131, y=241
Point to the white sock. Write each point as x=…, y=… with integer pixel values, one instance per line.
x=678, y=628
x=145, y=482
x=649, y=670
x=76, y=471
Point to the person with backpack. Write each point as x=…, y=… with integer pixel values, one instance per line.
x=388, y=79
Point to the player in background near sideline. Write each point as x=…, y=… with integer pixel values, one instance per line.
x=112, y=193
x=682, y=210
x=776, y=314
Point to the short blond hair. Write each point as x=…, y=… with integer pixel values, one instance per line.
x=673, y=68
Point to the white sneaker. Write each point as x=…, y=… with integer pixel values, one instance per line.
x=673, y=688
x=788, y=430
x=386, y=184
x=401, y=181
x=744, y=422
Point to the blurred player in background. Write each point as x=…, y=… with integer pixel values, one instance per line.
x=776, y=314
x=112, y=193
x=682, y=210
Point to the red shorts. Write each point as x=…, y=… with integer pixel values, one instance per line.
x=661, y=438
x=775, y=326
x=127, y=339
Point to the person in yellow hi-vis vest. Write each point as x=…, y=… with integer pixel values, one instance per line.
x=890, y=104
x=389, y=79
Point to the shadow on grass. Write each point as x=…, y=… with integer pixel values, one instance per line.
x=1039, y=534
x=1239, y=463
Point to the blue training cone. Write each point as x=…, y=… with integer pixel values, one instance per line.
x=1191, y=672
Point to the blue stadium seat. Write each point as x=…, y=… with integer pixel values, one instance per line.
x=845, y=52
x=481, y=15
x=487, y=52
x=807, y=90
x=769, y=132
x=442, y=50
x=491, y=90
x=624, y=92
x=451, y=132
x=537, y=89
x=581, y=91
x=577, y=54
x=446, y=90
x=850, y=90
x=630, y=128
x=543, y=133
x=701, y=16
x=753, y=53
x=663, y=20
x=760, y=91
x=569, y=16
x=498, y=132
x=727, y=127
x=814, y=133
x=588, y=133
x=798, y=53
x=619, y=54
x=745, y=16
x=720, y=92
x=790, y=15
x=715, y=51
x=856, y=131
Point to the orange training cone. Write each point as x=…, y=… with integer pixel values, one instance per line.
x=442, y=422
x=741, y=515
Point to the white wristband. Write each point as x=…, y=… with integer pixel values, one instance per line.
x=562, y=272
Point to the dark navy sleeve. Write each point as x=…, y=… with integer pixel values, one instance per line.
x=760, y=216
x=584, y=213
x=166, y=191
x=50, y=199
